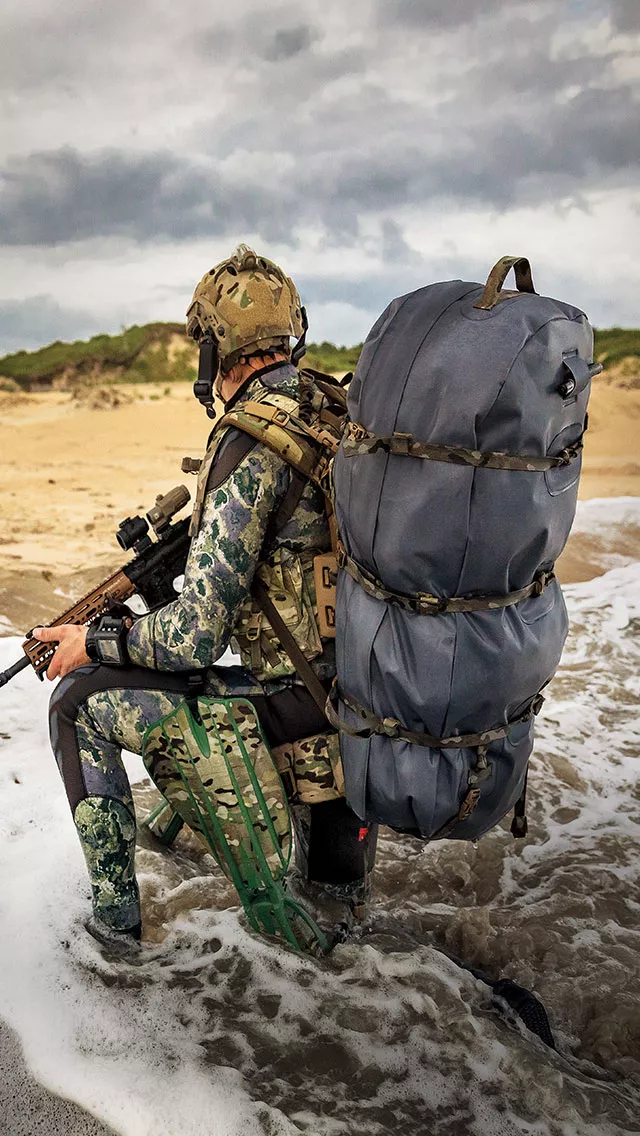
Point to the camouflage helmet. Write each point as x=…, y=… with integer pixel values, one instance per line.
x=248, y=304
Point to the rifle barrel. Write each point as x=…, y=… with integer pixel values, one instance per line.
x=11, y=672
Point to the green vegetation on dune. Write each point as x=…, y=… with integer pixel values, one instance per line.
x=335, y=360
x=138, y=354
x=616, y=343
x=153, y=353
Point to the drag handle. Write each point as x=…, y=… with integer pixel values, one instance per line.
x=11, y=672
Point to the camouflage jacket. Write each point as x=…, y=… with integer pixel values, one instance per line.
x=215, y=608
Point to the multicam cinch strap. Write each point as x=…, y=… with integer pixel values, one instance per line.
x=392, y=728
x=423, y=603
x=357, y=441
x=211, y=762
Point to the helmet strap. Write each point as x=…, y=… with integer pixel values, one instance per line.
x=301, y=345
x=207, y=373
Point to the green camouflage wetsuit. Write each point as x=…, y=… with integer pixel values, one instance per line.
x=96, y=711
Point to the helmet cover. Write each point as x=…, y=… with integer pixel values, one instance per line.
x=248, y=304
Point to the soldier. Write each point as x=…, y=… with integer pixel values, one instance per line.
x=254, y=517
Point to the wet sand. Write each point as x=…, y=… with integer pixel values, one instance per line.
x=28, y=1109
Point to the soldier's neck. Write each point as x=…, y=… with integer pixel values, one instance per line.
x=244, y=369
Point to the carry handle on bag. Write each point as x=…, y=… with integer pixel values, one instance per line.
x=493, y=288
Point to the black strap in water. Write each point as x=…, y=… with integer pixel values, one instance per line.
x=528, y=1008
x=525, y=1004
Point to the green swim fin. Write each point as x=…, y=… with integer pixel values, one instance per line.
x=211, y=762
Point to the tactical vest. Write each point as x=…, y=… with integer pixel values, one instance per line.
x=292, y=606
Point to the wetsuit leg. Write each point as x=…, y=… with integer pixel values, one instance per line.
x=95, y=713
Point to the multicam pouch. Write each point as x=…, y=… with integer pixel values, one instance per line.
x=288, y=577
x=311, y=768
x=210, y=761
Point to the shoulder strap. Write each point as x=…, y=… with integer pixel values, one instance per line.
x=303, y=668
x=286, y=509
x=307, y=446
x=229, y=458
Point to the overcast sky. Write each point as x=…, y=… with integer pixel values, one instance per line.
x=370, y=147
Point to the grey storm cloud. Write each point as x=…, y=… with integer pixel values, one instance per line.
x=518, y=124
x=62, y=196
x=311, y=124
x=626, y=15
x=40, y=319
x=290, y=41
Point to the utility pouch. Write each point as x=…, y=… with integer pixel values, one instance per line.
x=311, y=769
x=211, y=762
x=325, y=572
x=287, y=577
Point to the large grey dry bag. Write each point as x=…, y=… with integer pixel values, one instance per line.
x=455, y=489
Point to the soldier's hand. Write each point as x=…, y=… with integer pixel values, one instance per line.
x=70, y=652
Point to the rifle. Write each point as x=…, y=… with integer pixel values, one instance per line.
x=149, y=574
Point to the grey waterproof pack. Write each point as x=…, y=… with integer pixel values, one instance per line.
x=450, y=374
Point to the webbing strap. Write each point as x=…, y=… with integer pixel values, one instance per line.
x=268, y=413
x=357, y=440
x=303, y=668
x=392, y=728
x=423, y=603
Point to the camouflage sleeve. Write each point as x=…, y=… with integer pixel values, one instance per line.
x=194, y=629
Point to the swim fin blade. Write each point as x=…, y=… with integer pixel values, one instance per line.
x=211, y=762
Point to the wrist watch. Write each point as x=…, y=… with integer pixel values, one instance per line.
x=106, y=640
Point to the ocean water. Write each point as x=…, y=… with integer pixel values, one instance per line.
x=211, y=1030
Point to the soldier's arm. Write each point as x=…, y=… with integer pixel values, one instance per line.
x=194, y=629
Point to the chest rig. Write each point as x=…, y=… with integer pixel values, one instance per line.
x=292, y=606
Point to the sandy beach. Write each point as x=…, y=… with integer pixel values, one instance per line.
x=70, y=472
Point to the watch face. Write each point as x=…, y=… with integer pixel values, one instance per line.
x=109, y=650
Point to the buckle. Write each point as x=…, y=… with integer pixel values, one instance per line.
x=390, y=727
x=536, y=704
x=430, y=603
x=289, y=782
x=281, y=417
x=539, y=584
x=405, y=442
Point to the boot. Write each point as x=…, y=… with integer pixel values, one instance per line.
x=340, y=910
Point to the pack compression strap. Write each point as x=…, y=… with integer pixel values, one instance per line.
x=423, y=603
x=392, y=728
x=357, y=441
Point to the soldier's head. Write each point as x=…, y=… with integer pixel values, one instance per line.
x=244, y=309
